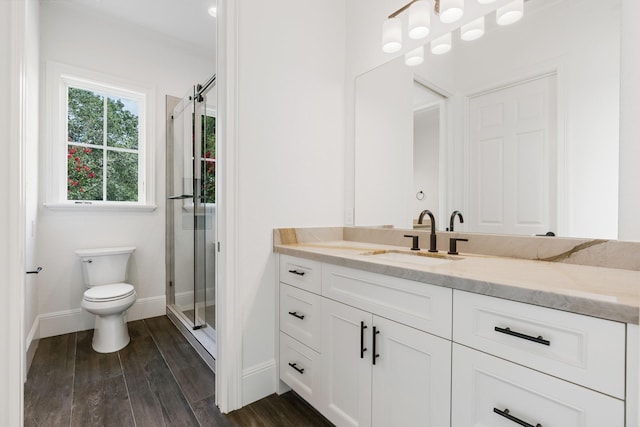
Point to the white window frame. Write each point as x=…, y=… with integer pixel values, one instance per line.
x=59, y=78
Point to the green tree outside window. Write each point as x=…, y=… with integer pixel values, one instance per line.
x=102, y=147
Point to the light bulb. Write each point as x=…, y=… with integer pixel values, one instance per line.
x=391, y=35
x=414, y=57
x=441, y=44
x=451, y=10
x=473, y=30
x=419, y=20
x=510, y=13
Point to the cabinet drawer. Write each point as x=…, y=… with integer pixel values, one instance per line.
x=302, y=273
x=300, y=315
x=580, y=349
x=300, y=368
x=420, y=305
x=487, y=391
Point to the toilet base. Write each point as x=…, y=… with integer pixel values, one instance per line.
x=110, y=333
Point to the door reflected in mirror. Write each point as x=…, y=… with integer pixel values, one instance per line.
x=562, y=177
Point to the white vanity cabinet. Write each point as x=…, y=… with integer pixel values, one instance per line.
x=368, y=349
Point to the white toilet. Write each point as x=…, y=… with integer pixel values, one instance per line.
x=108, y=297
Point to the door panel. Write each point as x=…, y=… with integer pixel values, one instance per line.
x=411, y=378
x=346, y=388
x=512, y=159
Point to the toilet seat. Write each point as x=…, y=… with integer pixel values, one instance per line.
x=106, y=293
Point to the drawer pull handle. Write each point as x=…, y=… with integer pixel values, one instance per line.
x=374, y=355
x=362, y=347
x=299, y=273
x=510, y=417
x=295, y=314
x=508, y=331
x=293, y=365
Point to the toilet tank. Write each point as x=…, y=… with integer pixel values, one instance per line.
x=103, y=266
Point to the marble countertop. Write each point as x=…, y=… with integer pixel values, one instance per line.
x=607, y=293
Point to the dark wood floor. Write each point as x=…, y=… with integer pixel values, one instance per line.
x=157, y=380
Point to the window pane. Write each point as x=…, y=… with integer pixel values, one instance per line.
x=209, y=124
x=84, y=173
x=122, y=123
x=85, y=117
x=209, y=181
x=122, y=177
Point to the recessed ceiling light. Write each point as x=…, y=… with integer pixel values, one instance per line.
x=213, y=11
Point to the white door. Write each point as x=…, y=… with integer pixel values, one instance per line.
x=488, y=391
x=512, y=159
x=345, y=396
x=411, y=377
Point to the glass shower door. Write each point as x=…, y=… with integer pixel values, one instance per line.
x=191, y=231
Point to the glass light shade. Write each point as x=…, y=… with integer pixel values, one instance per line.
x=486, y=1
x=213, y=11
x=441, y=44
x=510, y=13
x=392, y=35
x=414, y=57
x=473, y=30
x=451, y=10
x=419, y=20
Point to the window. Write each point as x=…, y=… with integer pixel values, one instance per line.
x=98, y=148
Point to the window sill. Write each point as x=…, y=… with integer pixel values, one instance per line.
x=100, y=207
x=208, y=208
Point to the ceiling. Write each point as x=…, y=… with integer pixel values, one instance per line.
x=183, y=20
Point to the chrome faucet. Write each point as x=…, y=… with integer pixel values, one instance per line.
x=432, y=241
x=453, y=217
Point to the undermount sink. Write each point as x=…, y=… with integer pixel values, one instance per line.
x=418, y=258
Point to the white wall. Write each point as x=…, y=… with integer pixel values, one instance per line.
x=84, y=39
x=290, y=82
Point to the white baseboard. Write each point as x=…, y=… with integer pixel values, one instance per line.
x=77, y=319
x=258, y=381
x=31, y=345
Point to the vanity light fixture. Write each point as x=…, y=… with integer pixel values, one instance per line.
x=441, y=44
x=510, y=13
x=449, y=11
x=473, y=30
x=414, y=57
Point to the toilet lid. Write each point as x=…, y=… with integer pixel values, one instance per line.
x=109, y=292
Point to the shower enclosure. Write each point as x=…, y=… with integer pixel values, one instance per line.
x=191, y=216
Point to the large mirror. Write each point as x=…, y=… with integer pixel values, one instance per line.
x=518, y=129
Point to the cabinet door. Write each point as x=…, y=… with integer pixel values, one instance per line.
x=488, y=391
x=411, y=377
x=345, y=397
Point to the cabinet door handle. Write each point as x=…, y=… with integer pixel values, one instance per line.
x=362, y=347
x=374, y=355
x=295, y=314
x=508, y=331
x=298, y=272
x=293, y=365
x=516, y=420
